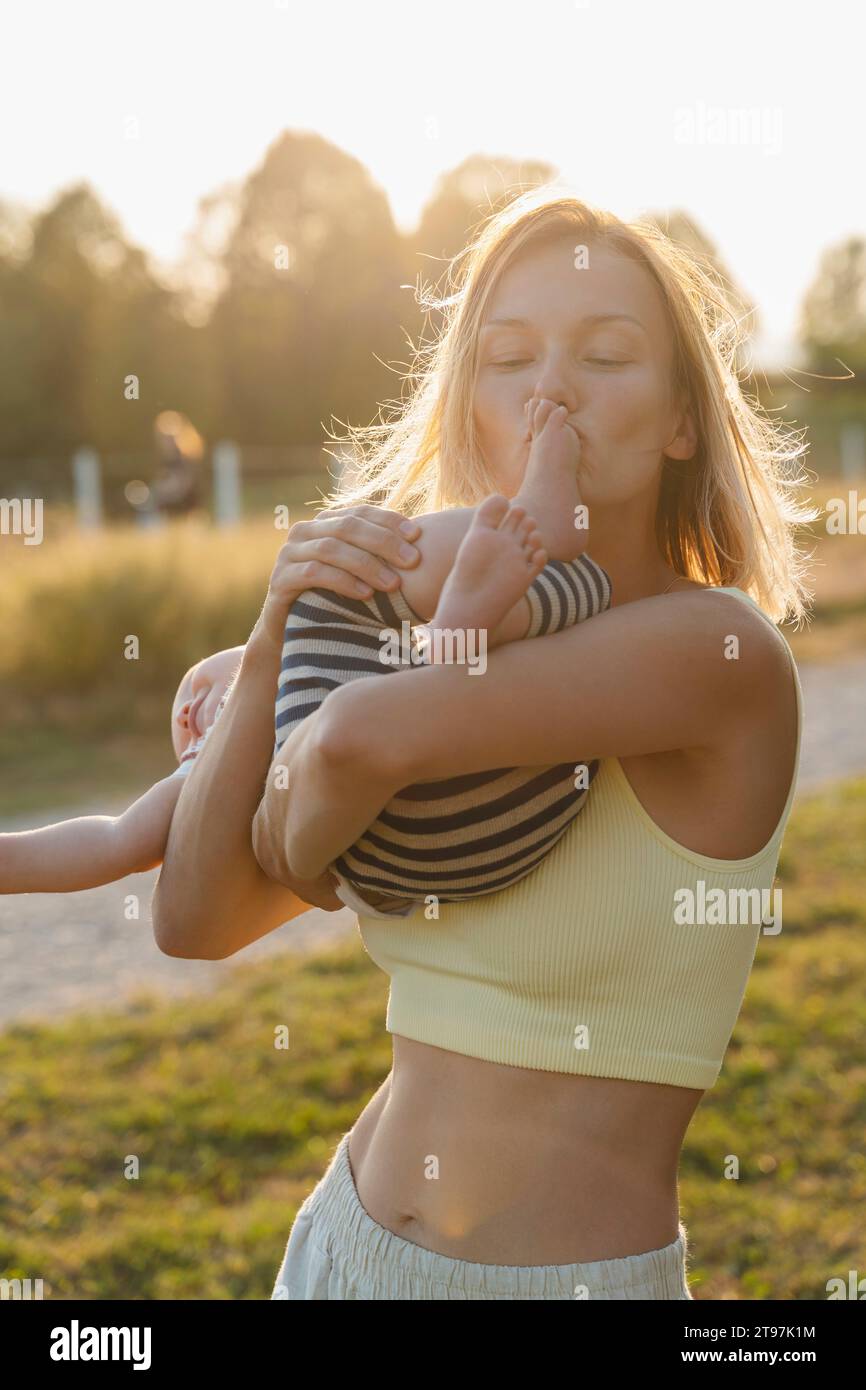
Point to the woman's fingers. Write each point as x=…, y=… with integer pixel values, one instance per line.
x=330, y=563
x=345, y=539
x=348, y=550
x=318, y=892
x=404, y=527
x=381, y=516
x=314, y=574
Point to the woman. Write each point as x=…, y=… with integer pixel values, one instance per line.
x=551, y=1042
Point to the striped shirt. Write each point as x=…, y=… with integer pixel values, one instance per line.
x=455, y=837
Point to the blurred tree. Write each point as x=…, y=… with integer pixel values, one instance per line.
x=76, y=243
x=311, y=298
x=80, y=313
x=464, y=196
x=15, y=221
x=462, y=199
x=19, y=340
x=200, y=273
x=833, y=315
x=683, y=229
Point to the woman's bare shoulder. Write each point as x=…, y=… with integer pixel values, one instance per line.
x=748, y=636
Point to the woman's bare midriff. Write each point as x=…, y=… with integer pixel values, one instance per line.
x=505, y=1165
x=509, y=1165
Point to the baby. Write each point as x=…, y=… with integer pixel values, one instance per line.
x=91, y=850
x=482, y=567
x=483, y=575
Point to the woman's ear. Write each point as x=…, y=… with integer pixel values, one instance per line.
x=685, y=441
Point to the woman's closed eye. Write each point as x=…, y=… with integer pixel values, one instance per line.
x=599, y=361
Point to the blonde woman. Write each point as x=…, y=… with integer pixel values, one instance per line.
x=552, y=1041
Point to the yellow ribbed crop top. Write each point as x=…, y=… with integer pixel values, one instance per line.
x=582, y=967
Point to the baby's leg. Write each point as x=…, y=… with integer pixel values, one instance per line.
x=497, y=561
x=483, y=587
x=549, y=491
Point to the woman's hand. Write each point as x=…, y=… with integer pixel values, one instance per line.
x=343, y=549
x=318, y=892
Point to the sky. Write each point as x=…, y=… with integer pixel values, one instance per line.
x=748, y=114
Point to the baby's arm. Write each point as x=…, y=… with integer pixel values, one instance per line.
x=90, y=850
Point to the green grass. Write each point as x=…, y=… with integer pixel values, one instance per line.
x=790, y=1103
x=231, y=1133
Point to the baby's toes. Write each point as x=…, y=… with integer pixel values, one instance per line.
x=557, y=416
x=531, y=544
x=492, y=510
x=515, y=517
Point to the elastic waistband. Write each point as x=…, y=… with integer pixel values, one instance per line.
x=382, y=1259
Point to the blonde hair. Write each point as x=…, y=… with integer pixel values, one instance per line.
x=727, y=516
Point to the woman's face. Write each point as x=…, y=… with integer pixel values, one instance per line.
x=578, y=348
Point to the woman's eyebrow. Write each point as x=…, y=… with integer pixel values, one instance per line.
x=590, y=319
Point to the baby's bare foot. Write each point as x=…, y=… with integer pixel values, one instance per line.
x=498, y=559
x=550, y=489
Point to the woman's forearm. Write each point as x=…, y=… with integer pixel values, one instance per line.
x=209, y=891
x=316, y=804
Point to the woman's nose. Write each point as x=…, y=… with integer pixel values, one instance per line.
x=553, y=388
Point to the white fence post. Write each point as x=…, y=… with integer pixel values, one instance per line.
x=88, y=488
x=227, y=483
x=852, y=451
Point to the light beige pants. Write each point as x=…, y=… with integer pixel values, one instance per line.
x=337, y=1251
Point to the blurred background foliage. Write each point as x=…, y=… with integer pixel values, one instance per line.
x=293, y=312
x=293, y=306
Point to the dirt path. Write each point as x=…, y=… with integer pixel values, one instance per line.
x=70, y=951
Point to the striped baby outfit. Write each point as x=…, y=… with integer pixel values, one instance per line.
x=454, y=837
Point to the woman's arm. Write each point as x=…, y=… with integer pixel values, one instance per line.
x=89, y=850
x=646, y=677
x=212, y=898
